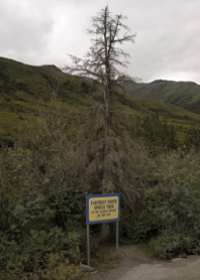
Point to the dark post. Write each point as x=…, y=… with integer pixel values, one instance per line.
x=88, y=244
x=117, y=235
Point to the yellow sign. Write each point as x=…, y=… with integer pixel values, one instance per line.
x=103, y=208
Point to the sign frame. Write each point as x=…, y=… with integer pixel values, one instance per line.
x=106, y=221
x=89, y=223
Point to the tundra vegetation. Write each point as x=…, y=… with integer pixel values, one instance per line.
x=63, y=135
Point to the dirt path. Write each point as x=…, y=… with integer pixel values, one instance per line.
x=132, y=264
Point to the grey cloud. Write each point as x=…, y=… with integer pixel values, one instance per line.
x=24, y=31
x=44, y=31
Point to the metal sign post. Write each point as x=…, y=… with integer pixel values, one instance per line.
x=117, y=235
x=88, y=244
x=100, y=209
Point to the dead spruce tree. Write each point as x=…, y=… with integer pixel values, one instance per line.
x=102, y=63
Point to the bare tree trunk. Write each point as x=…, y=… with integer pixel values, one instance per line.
x=107, y=129
x=109, y=33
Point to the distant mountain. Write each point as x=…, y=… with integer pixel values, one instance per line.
x=26, y=93
x=182, y=94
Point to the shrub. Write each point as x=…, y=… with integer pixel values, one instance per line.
x=169, y=210
x=41, y=208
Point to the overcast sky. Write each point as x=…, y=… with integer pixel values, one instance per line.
x=167, y=45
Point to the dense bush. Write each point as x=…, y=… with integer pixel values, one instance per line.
x=193, y=137
x=169, y=212
x=41, y=206
x=38, y=253
x=157, y=134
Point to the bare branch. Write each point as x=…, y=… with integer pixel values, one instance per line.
x=104, y=56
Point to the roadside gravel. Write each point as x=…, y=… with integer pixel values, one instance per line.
x=133, y=264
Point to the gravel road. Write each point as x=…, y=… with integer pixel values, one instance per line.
x=132, y=264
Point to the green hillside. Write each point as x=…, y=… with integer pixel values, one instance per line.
x=183, y=94
x=27, y=92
